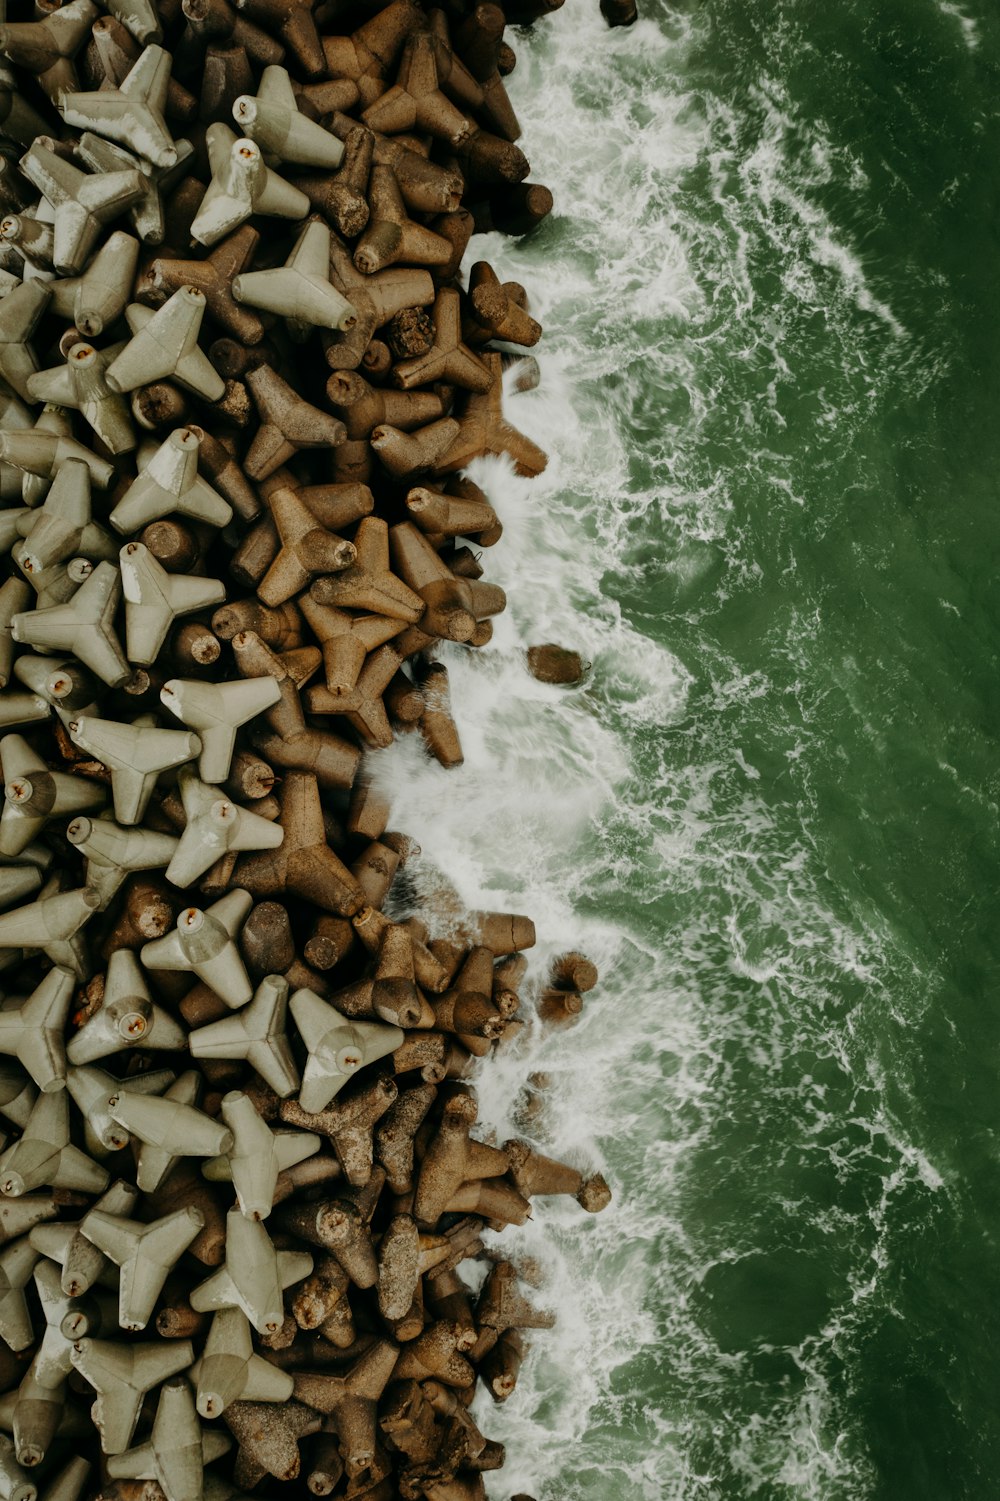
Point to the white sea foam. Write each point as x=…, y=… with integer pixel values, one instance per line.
x=595, y=810
x=970, y=30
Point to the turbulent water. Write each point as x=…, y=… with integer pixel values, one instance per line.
x=770, y=393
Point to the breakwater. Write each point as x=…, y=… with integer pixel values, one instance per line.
x=244, y=384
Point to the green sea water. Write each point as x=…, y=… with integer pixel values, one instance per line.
x=771, y=392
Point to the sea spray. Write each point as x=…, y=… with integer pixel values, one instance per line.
x=545, y=770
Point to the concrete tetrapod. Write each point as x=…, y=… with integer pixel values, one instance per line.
x=294, y=23
x=363, y=408
x=349, y=1123
x=20, y=312
x=436, y=1353
x=122, y=1375
x=349, y=1402
x=391, y=235
x=534, y=1173
x=204, y=944
x=63, y=526
x=14, y=1482
x=113, y=853
x=17, y=1262
x=394, y=1137
x=214, y=278
x=135, y=754
x=229, y=1371
x=391, y=994
x=53, y=924
x=467, y=1008
x=158, y=1158
x=406, y=455
x=452, y=1159
x=304, y=866
x=96, y=1094
x=215, y=825
x=483, y=429
x=254, y=1275
x=437, y=724
x=367, y=54
x=41, y=1412
x=257, y=1155
x=132, y=113
x=208, y=22
x=81, y=1262
x=301, y=290
x=33, y=794
x=256, y=1033
x=448, y=359
x=321, y=1302
x=497, y=314
x=169, y=1125
x=441, y=515
x=407, y=1419
x=340, y=196
x=305, y=547
x=154, y=599
x=347, y=640
x=126, y=1018
x=46, y=47
x=268, y=1438
x=369, y=583
x=141, y=18
x=80, y=383
x=241, y=185
x=216, y=711
x=376, y=299
x=169, y=484
x=415, y=103
x=337, y=1047
x=165, y=343
x=147, y=215
x=273, y=120
x=67, y=686
x=84, y=626
x=34, y=1032
x=57, y=584
x=287, y=424
x=291, y=743
x=15, y=596
x=501, y=1306
x=93, y=300
x=178, y=1449
x=398, y=1267
x=145, y=1254
x=82, y=203
x=44, y=1155
x=41, y=1395
x=452, y=606
x=479, y=40
x=40, y=454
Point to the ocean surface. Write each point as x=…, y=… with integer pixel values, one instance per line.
x=770, y=390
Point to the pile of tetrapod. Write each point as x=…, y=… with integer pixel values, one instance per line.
x=241, y=376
